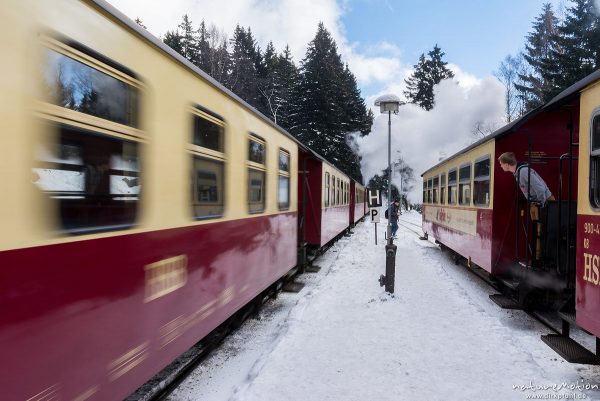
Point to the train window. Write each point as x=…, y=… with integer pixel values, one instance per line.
x=94, y=178
x=436, y=182
x=595, y=163
x=326, y=189
x=429, y=190
x=452, y=198
x=337, y=193
x=346, y=193
x=443, y=189
x=208, y=132
x=208, y=187
x=256, y=174
x=424, y=191
x=256, y=190
x=283, y=196
x=332, y=190
x=464, y=185
x=208, y=164
x=77, y=86
x=481, y=182
x=256, y=150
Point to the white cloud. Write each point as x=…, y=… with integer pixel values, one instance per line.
x=420, y=136
x=289, y=22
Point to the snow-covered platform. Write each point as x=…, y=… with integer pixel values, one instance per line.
x=439, y=337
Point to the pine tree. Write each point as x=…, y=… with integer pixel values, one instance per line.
x=539, y=44
x=438, y=67
x=574, y=54
x=189, y=40
x=287, y=76
x=244, y=72
x=204, y=49
x=417, y=85
x=324, y=115
x=174, y=41
x=428, y=73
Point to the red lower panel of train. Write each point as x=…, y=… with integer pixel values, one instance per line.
x=466, y=231
x=97, y=318
x=334, y=220
x=587, y=302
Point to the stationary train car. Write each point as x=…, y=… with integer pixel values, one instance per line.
x=561, y=140
x=326, y=207
x=474, y=208
x=584, y=306
x=144, y=203
x=358, y=205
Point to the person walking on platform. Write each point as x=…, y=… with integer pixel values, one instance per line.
x=394, y=213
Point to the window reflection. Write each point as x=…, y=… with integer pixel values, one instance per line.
x=208, y=134
x=94, y=178
x=208, y=191
x=256, y=190
x=76, y=86
x=256, y=152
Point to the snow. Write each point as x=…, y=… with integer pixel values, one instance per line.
x=439, y=337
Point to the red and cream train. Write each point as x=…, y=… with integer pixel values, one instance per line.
x=475, y=209
x=143, y=203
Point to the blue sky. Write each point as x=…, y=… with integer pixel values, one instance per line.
x=475, y=35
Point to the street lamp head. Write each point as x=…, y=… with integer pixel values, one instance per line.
x=388, y=102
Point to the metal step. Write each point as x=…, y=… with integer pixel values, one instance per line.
x=293, y=286
x=505, y=302
x=510, y=282
x=570, y=350
x=312, y=268
x=568, y=316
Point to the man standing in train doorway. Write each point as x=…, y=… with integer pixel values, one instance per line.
x=539, y=193
x=533, y=187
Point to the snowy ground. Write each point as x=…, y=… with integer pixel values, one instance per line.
x=343, y=338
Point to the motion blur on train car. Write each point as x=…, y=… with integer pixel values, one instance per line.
x=143, y=203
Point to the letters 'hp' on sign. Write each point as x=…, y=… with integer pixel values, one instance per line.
x=374, y=215
x=373, y=197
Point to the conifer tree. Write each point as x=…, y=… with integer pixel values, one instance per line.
x=244, y=59
x=174, y=41
x=418, y=85
x=531, y=85
x=189, y=40
x=574, y=54
x=204, y=49
x=428, y=73
x=287, y=76
x=324, y=115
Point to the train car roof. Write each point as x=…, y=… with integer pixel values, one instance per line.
x=510, y=127
x=572, y=91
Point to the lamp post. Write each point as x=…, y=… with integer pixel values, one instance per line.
x=390, y=104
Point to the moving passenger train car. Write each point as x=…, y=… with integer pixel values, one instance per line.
x=143, y=205
x=475, y=209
